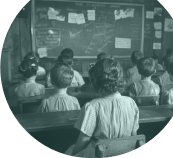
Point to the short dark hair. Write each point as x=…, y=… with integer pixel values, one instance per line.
x=67, y=51
x=168, y=60
x=30, y=56
x=65, y=59
x=169, y=51
x=102, y=56
x=61, y=75
x=135, y=56
x=155, y=57
x=28, y=67
x=107, y=76
x=146, y=66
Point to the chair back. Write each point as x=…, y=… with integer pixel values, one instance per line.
x=118, y=146
x=147, y=100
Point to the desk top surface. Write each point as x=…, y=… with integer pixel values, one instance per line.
x=49, y=121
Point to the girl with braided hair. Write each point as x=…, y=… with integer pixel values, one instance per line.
x=109, y=116
x=28, y=68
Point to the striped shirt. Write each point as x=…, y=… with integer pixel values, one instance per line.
x=115, y=116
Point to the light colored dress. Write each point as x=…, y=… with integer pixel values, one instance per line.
x=144, y=88
x=59, y=102
x=77, y=80
x=106, y=118
x=133, y=75
x=29, y=89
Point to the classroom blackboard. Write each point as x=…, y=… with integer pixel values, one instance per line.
x=88, y=28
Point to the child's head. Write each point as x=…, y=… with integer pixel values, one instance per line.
x=65, y=59
x=67, y=51
x=168, y=60
x=107, y=76
x=31, y=56
x=169, y=51
x=28, y=68
x=155, y=57
x=146, y=66
x=102, y=56
x=135, y=56
x=61, y=75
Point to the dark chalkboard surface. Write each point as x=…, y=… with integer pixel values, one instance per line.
x=99, y=31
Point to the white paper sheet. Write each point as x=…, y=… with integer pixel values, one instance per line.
x=91, y=15
x=168, y=25
x=42, y=52
x=80, y=19
x=157, y=46
x=158, y=11
x=123, y=43
x=158, y=34
x=72, y=18
x=158, y=26
x=149, y=14
x=55, y=15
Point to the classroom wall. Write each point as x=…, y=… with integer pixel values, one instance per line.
x=18, y=39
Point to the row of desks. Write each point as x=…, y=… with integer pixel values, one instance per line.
x=37, y=122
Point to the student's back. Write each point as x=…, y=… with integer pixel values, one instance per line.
x=132, y=73
x=61, y=76
x=28, y=68
x=145, y=87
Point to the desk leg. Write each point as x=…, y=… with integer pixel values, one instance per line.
x=20, y=108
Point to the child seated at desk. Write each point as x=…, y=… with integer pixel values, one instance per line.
x=61, y=78
x=28, y=68
x=166, y=78
x=41, y=71
x=108, y=117
x=132, y=73
x=157, y=65
x=145, y=87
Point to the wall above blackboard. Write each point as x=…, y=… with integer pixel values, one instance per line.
x=88, y=28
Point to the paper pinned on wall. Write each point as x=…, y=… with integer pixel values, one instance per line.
x=72, y=18
x=149, y=14
x=157, y=11
x=158, y=34
x=42, y=52
x=55, y=14
x=80, y=19
x=91, y=15
x=121, y=14
x=156, y=45
x=169, y=25
x=123, y=43
x=158, y=25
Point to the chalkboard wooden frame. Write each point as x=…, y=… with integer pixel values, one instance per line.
x=83, y=1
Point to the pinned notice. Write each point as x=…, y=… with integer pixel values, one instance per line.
x=122, y=43
x=158, y=34
x=91, y=15
x=72, y=18
x=80, y=19
x=169, y=25
x=42, y=52
x=156, y=45
x=157, y=11
x=55, y=14
x=121, y=14
x=149, y=14
x=158, y=25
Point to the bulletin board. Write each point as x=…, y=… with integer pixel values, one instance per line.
x=87, y=27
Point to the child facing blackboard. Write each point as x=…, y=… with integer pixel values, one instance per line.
x=28, y=68
x=61, y=77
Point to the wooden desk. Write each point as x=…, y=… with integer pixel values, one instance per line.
x=82, y=97
x=56, y=120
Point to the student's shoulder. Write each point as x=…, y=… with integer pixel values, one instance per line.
x=76, y=73
x=39, y=85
